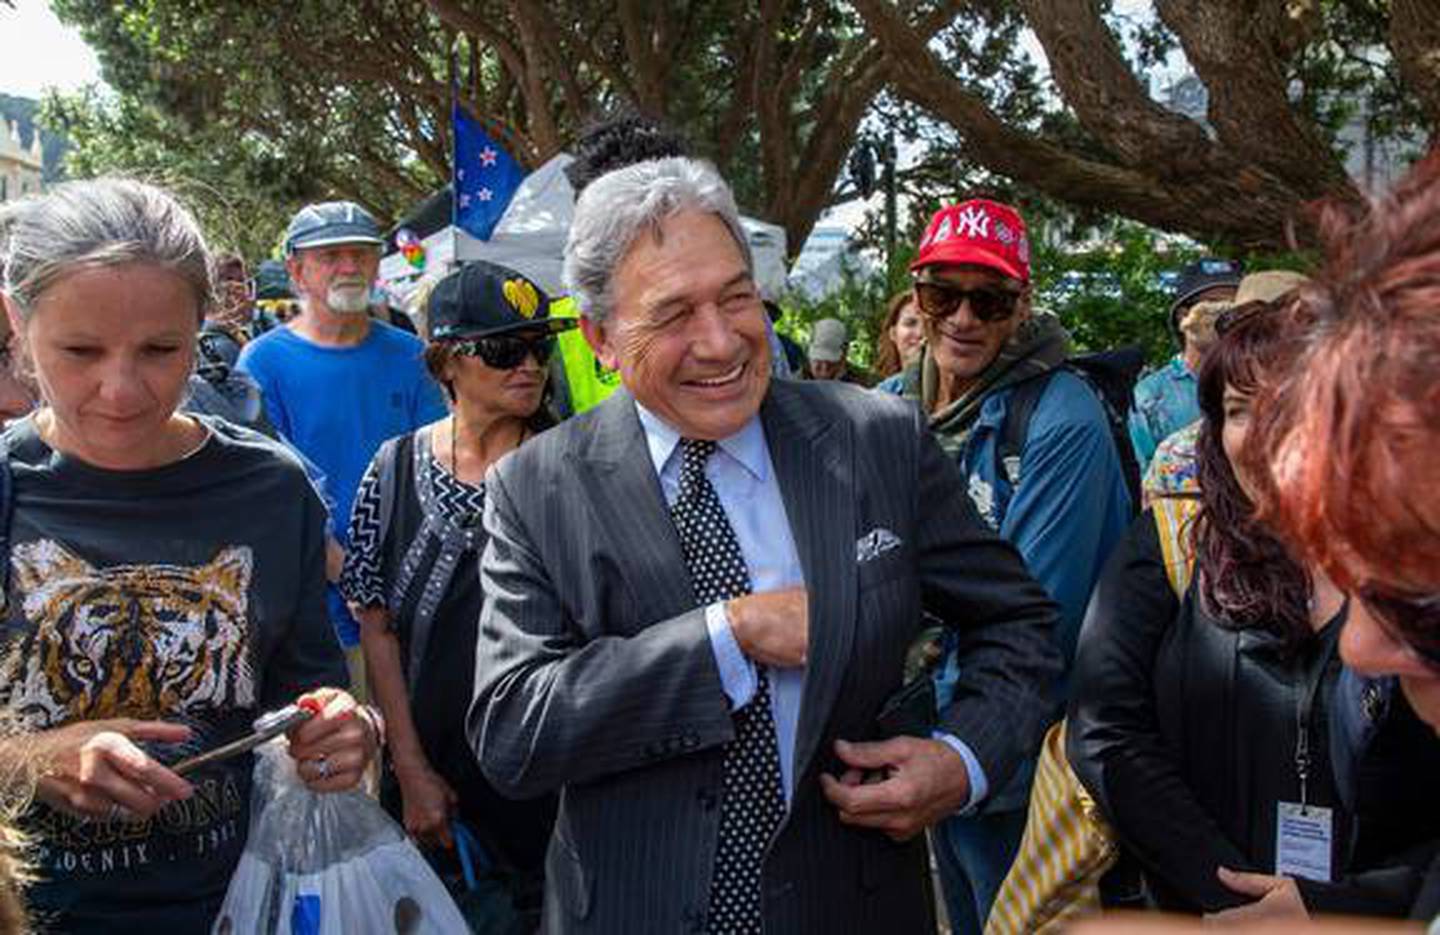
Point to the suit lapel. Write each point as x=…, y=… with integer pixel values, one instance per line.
x=631, y=516
x=814, y=465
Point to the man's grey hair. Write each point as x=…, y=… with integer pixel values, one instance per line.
x=617, y=207
x=99, y=223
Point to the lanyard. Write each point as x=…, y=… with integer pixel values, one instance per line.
x=1304, y=709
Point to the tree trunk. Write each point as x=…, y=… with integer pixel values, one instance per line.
x=1415, y=40
x=1231, y=46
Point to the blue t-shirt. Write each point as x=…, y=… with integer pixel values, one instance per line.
x=337, y=405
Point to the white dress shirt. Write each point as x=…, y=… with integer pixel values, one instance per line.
x=744, y=480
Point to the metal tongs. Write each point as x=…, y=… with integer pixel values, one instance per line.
x=267, y=726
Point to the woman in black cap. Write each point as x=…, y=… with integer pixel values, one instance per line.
x=412, y=573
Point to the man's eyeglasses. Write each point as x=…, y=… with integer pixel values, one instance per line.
x=988, y=303
x=506, y=351
x=1409, y=617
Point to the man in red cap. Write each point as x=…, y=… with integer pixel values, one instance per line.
x=1034, y=445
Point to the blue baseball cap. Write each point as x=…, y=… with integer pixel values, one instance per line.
x=1201, y=276
x=1204, y=274
x=330, y=223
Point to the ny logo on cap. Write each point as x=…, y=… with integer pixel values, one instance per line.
x=973, y=223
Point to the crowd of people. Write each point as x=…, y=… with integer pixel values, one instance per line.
x=730, y=651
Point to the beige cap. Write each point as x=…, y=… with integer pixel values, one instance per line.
x=1267, y=285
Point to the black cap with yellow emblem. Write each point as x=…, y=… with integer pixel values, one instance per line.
x=483, y=299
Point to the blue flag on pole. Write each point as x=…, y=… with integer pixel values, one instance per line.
x=485, y=176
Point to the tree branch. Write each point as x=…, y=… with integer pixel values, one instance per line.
x=1248, y=207
x=544, y=132
x=646, y=62
x=1415, y=42
x=1229, y=44
x=460, y=18
x=853, y=79
x=1095, y=80
x=560, y=60
x=771, y=112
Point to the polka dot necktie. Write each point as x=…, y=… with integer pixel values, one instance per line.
x=753, y=804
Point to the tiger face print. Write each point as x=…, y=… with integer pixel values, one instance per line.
x=142, y=641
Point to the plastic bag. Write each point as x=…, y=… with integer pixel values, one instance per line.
x=328, y=864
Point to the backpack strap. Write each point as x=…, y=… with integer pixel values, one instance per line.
x=1173, y=518
x=385, y=460
x=1011, y=445
x=1099, y=373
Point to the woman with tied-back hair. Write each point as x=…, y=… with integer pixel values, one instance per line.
x=165, y=574
x=1202, y=710
x=412, y=574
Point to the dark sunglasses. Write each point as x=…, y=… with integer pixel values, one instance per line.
x=506, y=351
x=1407, y=617
x=988, y=303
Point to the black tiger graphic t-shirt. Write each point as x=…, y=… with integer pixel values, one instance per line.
x=192, y=593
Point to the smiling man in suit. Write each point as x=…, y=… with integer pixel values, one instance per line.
x=699, y=595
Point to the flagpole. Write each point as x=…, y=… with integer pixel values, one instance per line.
x=454, y=142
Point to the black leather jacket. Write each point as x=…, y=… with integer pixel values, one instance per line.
x=1185, y=732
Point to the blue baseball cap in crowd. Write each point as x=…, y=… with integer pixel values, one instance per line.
x=329, y=224
x=272, y=281
x=1203, y=275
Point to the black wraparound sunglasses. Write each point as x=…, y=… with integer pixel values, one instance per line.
x=507, y=351
x=988, y=303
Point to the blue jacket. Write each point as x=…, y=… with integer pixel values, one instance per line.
x=1065, y=515
x=1165, y=402
x=1070, y=507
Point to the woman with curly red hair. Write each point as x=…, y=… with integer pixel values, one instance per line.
x=1352, y=442
x=1353, y=448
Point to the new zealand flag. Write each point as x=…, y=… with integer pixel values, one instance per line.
x=485, y=176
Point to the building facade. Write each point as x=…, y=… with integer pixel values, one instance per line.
x=20, y=167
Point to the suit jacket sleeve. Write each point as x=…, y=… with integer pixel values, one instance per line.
x=976, y=583
x=554, y=705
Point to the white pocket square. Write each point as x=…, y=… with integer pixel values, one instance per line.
x=874, y=544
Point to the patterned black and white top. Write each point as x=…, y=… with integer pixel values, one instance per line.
x=362, y=581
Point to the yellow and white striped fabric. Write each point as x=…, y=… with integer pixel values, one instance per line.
x=1173, y=518
x=1067, y=847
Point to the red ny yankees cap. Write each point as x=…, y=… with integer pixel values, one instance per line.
x=978, y=232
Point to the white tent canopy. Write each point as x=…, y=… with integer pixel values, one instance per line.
x=531, y=236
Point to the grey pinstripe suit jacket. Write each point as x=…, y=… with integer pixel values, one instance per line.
x=595, y=675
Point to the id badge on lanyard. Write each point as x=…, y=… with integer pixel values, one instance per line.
x=1305, y=833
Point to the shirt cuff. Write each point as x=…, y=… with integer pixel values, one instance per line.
x=979, y=785
x=737, y=674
